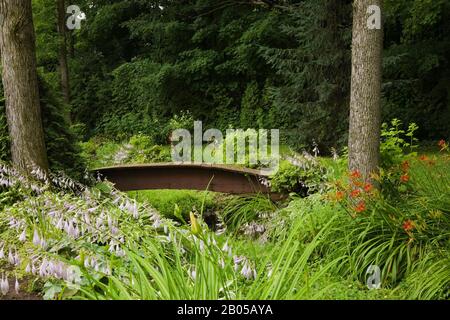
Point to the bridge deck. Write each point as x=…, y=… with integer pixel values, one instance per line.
x=221, y=178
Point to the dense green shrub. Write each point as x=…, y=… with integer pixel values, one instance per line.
x=301, y=175
x=396, y=142
x=140, y=148
x=62, y=148
x=177, y=204
x=398, y=225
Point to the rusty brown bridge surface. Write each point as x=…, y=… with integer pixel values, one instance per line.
x=219, y=178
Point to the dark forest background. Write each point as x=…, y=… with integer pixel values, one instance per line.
x=135, y=65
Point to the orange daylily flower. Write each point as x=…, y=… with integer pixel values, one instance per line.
x=339, y=195
x=368, y=187
x=355, y=174
x=405, y=166
x=355, y=193
x=361, y=206
x=404, y=178
x=408, y=225
x=423, y=157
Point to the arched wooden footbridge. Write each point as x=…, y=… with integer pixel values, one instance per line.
x=219, y=178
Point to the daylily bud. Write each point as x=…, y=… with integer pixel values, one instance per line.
x=195, y=226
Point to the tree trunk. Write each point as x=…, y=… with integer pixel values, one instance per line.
x=62, y=55
x=18, y=54
x=365, y=96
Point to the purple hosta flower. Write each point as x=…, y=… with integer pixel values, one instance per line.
x=70, y=275
x=43, y=243
x=60, y=224
x=99, y=222
x=107, y=271
x=13, y=223
x=110, y=222
x=57, y=269
x=86, y=262
x=16, y=259
x=120, y=252
x=114, y=230
x=157, y=223
x=246, y=271
x=211, y=241
x=221, y=263
x=4, y=285
x=308, y=156
x=2, y=252
x=112, y=247
x=121, y=155
x=16, y=287
x=36, y=239
x=95, y=264
x=52, y=213
x=225, y=247
x=5, y=182
x=72, y=229
x=11, y=259
x=87, y=219
x=76, y=232
x=28, y=268
x=131, y=207
x=237, y=260
x=67, y=226
x=34, y=270
x=253, y=229
x=115, y=248
x=91, y=210
x=43, y=272
x=23, y=236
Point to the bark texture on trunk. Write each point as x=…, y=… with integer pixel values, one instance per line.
x=365, y=96
x=62, y=54
x=19, y=75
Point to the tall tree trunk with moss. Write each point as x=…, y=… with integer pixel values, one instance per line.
x=62, y=54
x=365, y=96
x=23, y=111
